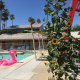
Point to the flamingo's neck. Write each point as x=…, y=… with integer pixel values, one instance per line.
x=13, y=57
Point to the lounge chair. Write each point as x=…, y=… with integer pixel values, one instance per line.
x=19, y=48
x=27, y=47
x=23, y=47
x=11, y=47
x=38, y=47
x=46, y=47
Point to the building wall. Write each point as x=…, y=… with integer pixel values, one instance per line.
x=20, y=43
x=41, y=27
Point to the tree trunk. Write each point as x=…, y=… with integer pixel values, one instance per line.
x=0, y=19
x=47, y=20
x=31, y=26
x=4, y=24
x=12, y=22
x=47, y=16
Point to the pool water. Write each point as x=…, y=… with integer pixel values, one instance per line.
x=20, y=56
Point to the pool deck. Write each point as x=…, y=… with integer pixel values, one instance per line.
x=26, y=69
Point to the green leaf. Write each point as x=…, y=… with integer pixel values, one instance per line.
x=52, y=26
x=71, y=78
x=66, y=28
x=71, y=45
x=52, y=13
x=61, y=20
x=55, y=26
x=64, y=3
x=50, y=0
x=48, y=70
x=65, y=34
x=61, y=38
x=54, y=5
x=44, y=19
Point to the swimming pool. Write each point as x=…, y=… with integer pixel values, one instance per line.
x=20, y=56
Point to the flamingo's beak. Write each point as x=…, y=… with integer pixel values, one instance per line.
x=8, y=50
x=16, y=55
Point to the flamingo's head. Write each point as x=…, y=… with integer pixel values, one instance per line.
x=13, y=52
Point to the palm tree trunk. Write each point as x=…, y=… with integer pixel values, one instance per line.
x=47, y=16
x=2, y=25
x=31, y=26
x=12, y=22
x=0, y=19
x=6, y=23
x=47, y=19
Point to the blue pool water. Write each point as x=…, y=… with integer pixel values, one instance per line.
x=20, y=56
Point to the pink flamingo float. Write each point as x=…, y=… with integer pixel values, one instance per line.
x=9, y=62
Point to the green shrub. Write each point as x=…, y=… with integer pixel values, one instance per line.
x=4, y=31
x=29, y=28
x=9, y=31
x=34, y=29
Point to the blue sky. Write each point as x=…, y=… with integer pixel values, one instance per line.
x=23, y=9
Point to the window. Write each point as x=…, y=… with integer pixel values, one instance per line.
x=23, y=41
x=29, y=42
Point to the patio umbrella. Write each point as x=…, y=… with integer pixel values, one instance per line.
x=33, y=41
x=38, y=32
x=39, y=42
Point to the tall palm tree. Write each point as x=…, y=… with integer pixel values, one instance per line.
x=7, y=11
x=5, y=15
x=32, y=21
x=12, y=17
x=2, y=6
x=38, y=20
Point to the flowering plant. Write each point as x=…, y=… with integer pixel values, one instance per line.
x=61, y=54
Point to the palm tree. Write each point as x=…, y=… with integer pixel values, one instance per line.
x=32, y=21
x=2, y=6
x=5, y=15
x=7, y=11
x=12, y=17
x=38, y=20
